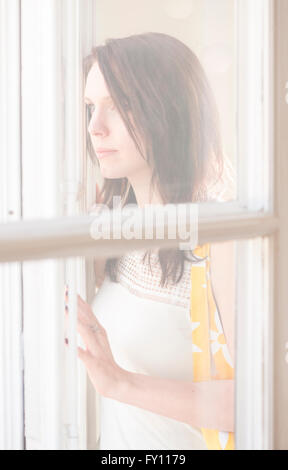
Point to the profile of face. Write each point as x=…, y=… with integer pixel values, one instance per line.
x=108, y=131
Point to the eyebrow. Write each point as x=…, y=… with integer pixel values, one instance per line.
x=105, y=98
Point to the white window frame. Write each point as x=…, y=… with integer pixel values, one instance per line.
x=252, y=216
x=11, y=378
x=54, y=418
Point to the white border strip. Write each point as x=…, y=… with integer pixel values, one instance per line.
x=280, y=378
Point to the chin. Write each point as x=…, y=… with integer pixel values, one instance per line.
x=111, y=173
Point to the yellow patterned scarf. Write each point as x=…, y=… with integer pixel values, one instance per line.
x=211, y=357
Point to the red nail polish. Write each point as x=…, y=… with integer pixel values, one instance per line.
x=66, y=341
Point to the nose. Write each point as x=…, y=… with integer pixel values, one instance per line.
x=97, y=125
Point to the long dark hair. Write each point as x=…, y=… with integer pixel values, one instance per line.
x=161, y=81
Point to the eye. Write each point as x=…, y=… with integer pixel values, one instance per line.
x=89, y=112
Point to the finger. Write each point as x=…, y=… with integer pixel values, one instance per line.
x=82, y=354
x=86, y=312
x=89, y=337
x=66, y=292
x=89, y=325
x=86, y=315
x=83, y=320
x=66, y=324
x=84, y=308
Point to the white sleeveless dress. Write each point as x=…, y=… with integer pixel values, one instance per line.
x=149, y=330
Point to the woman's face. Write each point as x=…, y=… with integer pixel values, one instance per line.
x=107, y=131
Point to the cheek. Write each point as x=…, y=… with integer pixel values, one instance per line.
x=130, y=154
x=127, y=145
x=141, y=154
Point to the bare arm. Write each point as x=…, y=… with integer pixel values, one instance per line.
x=207, y=404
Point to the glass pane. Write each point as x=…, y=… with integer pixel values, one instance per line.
x=178, y=342
x=185, y=106
x=175, y=341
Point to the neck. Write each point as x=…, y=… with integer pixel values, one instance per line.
x=141, y=186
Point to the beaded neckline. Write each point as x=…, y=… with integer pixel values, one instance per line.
x=136, y=276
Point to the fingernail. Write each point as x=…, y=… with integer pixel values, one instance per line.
x=66, y=341
x=66, y=307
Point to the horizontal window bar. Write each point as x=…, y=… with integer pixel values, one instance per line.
x=71, y=236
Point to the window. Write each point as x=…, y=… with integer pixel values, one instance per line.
x=48, y=185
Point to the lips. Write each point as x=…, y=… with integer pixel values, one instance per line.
x=105, y=153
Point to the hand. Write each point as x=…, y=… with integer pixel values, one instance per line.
x=103, y=371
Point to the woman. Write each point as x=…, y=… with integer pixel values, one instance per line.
x=154, y=130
